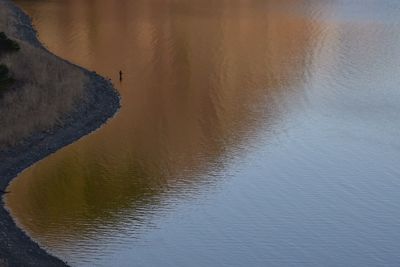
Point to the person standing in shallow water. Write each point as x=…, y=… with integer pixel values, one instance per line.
x=120, y=76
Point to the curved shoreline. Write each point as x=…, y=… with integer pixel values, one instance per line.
x=101, y=102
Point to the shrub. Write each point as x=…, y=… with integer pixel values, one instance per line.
x=5, y=78
x=8, y=45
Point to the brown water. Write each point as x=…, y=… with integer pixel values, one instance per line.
x=252, y=133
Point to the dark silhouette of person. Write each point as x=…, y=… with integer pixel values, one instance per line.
x=120, y=75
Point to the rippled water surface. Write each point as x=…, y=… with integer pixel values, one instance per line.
x=252, y=133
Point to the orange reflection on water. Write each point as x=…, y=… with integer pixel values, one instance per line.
x=200, y=79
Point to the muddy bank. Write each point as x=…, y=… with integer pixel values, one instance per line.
x=100, y=102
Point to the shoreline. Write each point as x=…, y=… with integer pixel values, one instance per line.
x=101, y=102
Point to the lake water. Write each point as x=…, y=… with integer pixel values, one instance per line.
x=252, y=133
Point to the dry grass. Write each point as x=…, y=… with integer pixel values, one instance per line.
x=3, y=18
x=46, y=88
x=3, y=263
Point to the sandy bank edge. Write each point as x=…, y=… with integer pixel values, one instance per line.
x=101, y=103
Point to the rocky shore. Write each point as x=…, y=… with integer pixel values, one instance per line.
x=101, y=102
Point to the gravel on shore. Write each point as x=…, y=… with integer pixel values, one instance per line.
x=101, y=102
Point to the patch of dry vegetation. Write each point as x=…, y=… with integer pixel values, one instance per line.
x=45, y=89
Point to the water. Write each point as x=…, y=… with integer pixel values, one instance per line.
x=252, y=133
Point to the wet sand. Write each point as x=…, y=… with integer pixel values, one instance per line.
x=101, y=102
